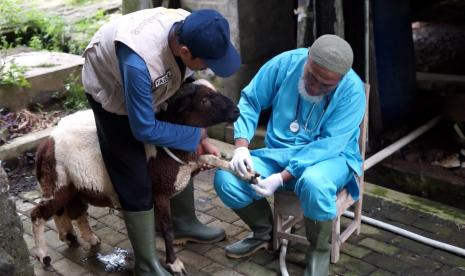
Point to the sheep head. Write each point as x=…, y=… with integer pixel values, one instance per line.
x=199, y=105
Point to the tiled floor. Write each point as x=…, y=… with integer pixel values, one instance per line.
x=374, y=252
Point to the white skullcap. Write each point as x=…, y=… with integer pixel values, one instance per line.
x=333, y=53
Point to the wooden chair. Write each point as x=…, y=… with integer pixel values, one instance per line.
x=288, y=212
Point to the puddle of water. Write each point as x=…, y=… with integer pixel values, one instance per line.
x=113, y=261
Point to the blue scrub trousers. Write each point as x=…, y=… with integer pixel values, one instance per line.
x=316, y=188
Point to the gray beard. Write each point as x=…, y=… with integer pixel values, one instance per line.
x=305, y=95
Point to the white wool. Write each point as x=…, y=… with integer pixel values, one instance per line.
x=80, y=118
x=79, y=159
x=150, y=151
x=78, y=156
x=183, y=177
x=206, y=83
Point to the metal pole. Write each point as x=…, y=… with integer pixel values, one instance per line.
x=367, y=41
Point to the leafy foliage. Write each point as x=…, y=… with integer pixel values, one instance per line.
x=75, y=98
x=31, y=27
x=13, y=76
x=79, y=2
x=11, y=73
x=84, y=30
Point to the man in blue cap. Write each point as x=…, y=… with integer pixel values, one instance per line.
x=132, y=66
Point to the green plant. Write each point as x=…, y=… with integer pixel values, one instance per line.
x=75, y=98
x=84, y=29
x=28, y=26
x=45, y=65
x=13, y=75
x=10, y=72
x=79, y=2
x=49, y=30
x=35, y=43
x=11, y=12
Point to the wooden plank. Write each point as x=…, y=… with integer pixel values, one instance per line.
x=293, y=238
x=347, y=232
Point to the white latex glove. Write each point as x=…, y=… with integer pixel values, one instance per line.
x=241, y=161
x=268, y=186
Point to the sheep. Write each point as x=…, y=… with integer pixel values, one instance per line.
x=71, y=172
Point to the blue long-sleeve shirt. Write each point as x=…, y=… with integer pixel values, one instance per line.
x=145, y=127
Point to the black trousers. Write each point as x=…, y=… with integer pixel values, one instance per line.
x=124, y=159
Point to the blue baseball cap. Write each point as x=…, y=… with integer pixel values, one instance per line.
x=206, y=33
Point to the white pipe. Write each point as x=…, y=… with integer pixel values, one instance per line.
x=282, y=254
x=385, y=226
x=282, y=258
x=370, y=162
x=382, y=154
x=410, y=235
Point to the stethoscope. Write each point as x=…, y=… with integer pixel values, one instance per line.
x=294, y=125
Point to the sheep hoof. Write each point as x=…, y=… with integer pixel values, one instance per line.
x=72, y=240
x=46, y=261
x=177, y=268
x=94, y=240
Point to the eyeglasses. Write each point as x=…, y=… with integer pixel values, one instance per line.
x=321, y=85
x=311, y=80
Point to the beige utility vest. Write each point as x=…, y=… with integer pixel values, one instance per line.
x=146, y=33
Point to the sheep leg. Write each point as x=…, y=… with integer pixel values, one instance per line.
x=38, y=229
x=65, y=228
x=163, y=214
x=86, y=231
x=212, y=160
x=43, y=212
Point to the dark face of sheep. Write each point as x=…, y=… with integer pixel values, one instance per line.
x=199, y=106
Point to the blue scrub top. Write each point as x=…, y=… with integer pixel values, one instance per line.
x=330, y=133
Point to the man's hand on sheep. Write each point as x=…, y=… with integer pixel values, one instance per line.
x=205, y=147
x=268, y=186
x=241, y=162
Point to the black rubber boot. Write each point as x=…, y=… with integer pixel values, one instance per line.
x=141, y=232
x=318, y=254
x=186, y=226
x=258, y=217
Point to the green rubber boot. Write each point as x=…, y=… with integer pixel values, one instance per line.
x=186, y=226
x=258, y=217
x=141, y=232
x=318, y=254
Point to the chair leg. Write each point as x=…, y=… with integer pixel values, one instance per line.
x=358, y=215
x=335, y=236
x=277, y=227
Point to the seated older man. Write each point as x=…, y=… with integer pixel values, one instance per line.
x=317, y=104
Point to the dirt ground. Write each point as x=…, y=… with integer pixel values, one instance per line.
x=21, y=174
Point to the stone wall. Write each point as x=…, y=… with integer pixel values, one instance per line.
x=14, y=255
x=259, y=30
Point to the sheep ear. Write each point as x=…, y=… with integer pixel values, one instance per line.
x=206, y=83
